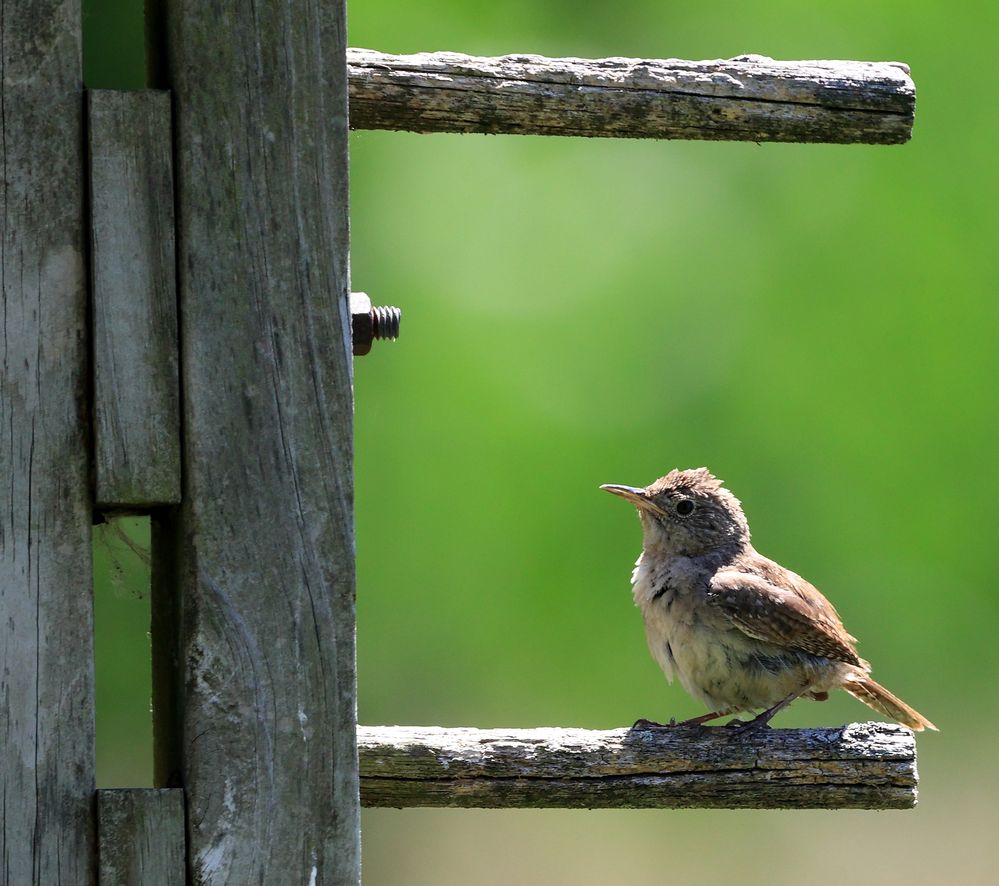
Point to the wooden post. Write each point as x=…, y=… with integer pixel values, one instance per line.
x=254, y=684
x=46, y=635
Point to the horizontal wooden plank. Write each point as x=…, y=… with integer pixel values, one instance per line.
x=137, y=405
x=748, y=98
x=862, y=765
x=141, y=837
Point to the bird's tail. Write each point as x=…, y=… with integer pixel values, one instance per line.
x=875, y=696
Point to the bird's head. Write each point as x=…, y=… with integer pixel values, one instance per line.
x=687, y=513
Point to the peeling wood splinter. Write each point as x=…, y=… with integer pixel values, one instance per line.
x=748, y=98
x=859, y=766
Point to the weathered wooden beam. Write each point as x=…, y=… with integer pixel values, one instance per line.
x=136, y=398
x=748, y=98
x=253, y=631
x=46, y=613
x=141, y=837
x=860, y=766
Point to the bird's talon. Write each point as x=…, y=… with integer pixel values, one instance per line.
x=649, y=724
x=741, y=727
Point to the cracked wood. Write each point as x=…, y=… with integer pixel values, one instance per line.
x=748, y=98
x=859, y=766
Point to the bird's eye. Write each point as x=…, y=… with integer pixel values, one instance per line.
x=685, y=507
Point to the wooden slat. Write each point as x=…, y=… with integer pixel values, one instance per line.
x=749, y=98
x=255, y=701
x=136, y=404
x=141, y=837
x=861, y=766
x=46, y=626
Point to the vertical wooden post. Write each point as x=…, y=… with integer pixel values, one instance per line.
x=46, y=636
x=255, y=570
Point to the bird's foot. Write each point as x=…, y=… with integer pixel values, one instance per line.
x=757, y=724
x=652, y=724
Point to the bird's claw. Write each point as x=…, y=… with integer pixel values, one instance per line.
x=741, y=727
x=652, y=724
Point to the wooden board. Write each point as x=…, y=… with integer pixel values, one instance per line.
x=141, y=837
x=861, y=766
x=46, y=628
x=136, y=398
x=254, y=575
x=749, y=98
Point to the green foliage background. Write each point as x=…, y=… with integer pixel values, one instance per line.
x=815, y=323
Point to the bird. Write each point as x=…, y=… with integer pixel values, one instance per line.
x=741, y=632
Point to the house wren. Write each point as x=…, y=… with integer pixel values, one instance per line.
x=741, y=632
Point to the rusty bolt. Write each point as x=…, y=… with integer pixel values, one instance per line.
x=369, y=323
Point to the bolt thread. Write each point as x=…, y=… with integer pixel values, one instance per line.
x=386, y=322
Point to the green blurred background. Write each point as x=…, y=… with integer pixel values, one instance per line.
x=815, y=323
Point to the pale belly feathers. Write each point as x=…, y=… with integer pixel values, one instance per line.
x=714, y=661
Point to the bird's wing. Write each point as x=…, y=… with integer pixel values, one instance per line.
x=782, y=615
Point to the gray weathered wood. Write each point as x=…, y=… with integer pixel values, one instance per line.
x=46, y=663
x=136, y=405
x=141, y=837
x=749, y=98
x=255, y=572
x=864, y=765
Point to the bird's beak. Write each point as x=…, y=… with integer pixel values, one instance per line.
x=635, y=495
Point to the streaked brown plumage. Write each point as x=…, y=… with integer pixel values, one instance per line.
x=741, y=632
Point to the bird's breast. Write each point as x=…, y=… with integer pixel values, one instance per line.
x=669, y=603
x=693, y=642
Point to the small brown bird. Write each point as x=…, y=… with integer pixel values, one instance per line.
x=741, y=632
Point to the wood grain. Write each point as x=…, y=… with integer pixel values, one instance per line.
x=141, y=837
x=749, y=98
x=861, y=766
x=133, y=269
x=46, y=628
x=254, y=681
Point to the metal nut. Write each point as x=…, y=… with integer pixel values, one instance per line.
x=369, y=323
